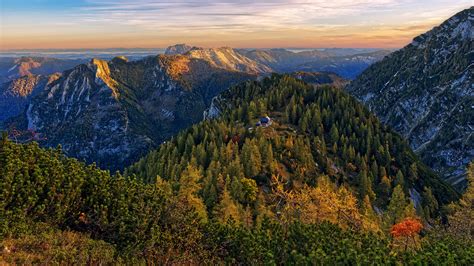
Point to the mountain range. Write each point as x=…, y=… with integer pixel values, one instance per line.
x=11, y=68
x=121, y=109
x=113, y=112
x=347, y=63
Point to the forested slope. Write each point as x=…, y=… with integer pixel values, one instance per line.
x=315, y=132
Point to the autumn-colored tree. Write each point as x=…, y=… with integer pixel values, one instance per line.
x=461, y=219
x=188, y=191
x=371, y=219
x=323, y=203
x=249, y=190
x=227, y=209
x=406, y=232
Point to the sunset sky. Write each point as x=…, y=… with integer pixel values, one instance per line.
x=42, y=24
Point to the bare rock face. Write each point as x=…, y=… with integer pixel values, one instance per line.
x=425, y=91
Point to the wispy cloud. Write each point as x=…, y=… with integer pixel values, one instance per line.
x=230, y=15
x=243, y=23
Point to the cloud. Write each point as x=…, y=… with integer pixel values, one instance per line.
x=230, y=15
x=243, y=23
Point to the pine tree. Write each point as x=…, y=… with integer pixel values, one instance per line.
x=371, y=218
x=461, y=218
x=385, y=187
x=429, y=203
x=365, y=187
x=334, y=134
x=249, y=190
x=251, y=158
x=413, y=173
x=261, y=210
x=399, y=179
x=396, y=207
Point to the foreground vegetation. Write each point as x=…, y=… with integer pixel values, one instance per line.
x=57, y=210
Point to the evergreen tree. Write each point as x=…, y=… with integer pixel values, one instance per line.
x=429, y=203
x=396, y=207
x=399, y=179
x=365, y=187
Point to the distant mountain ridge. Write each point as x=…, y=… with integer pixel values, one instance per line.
x=12, y=68
x=228, y=58
x=426, y=92
x=347, y=63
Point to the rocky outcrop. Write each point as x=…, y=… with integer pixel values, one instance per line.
x=425, y=91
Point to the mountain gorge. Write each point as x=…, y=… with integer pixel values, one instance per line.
x=425, y=92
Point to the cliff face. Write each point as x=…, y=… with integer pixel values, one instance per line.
x=425, y=91
x=114, y=112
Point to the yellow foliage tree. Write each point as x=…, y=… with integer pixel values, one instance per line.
x=188, y=191
x=227, y=208
x=325, y=202
x=461, y=221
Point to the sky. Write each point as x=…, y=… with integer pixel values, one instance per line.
x=76, y=24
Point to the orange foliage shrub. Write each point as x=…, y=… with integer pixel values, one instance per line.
x=405, y=233
x=407, y=228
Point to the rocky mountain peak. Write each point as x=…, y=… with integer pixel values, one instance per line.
x=103, y=75
x=178, y=49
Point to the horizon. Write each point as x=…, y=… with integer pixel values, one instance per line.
x=205, y=47
x=157, y=24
